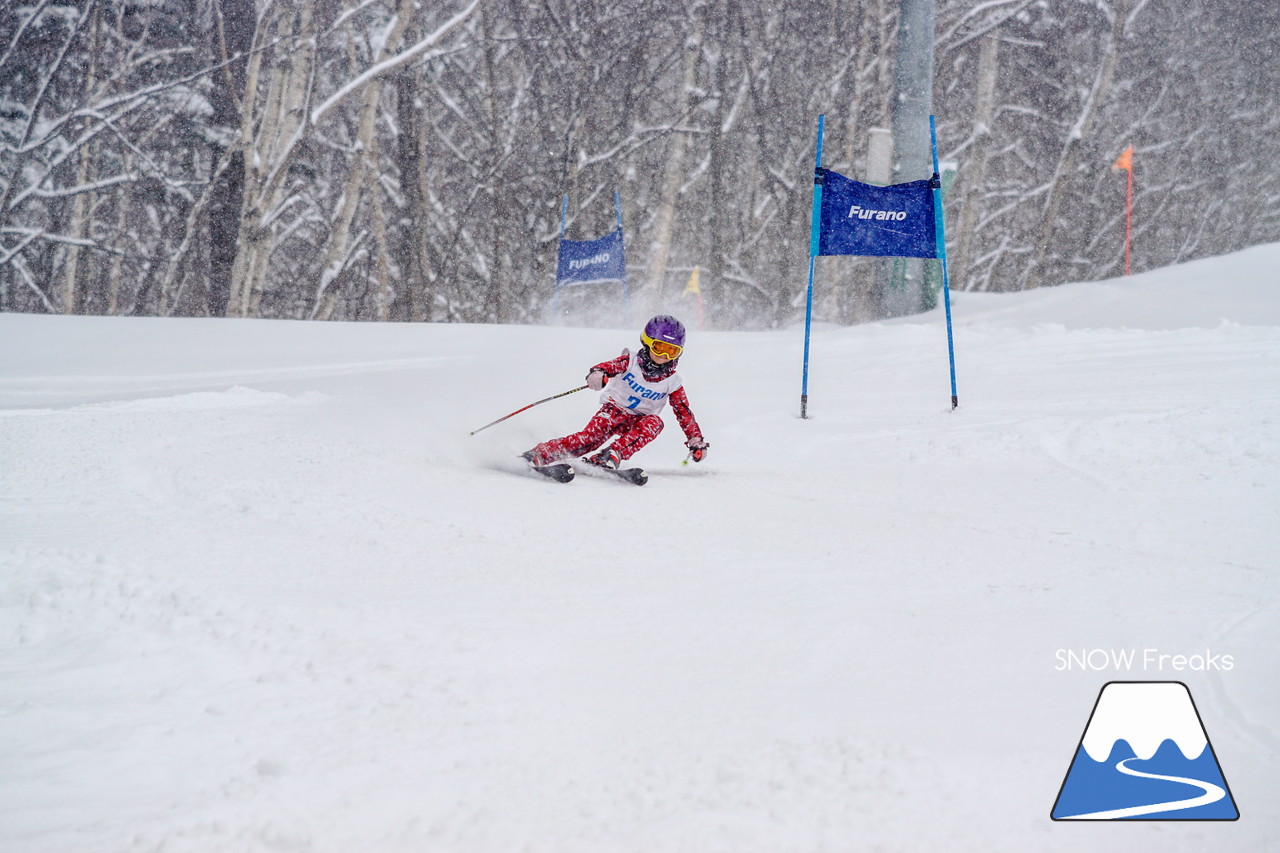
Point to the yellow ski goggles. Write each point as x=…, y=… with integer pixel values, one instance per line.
x=660, y=347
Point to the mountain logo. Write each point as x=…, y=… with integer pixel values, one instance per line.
x=1144, y=755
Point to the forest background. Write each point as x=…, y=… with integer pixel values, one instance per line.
x=406, y=159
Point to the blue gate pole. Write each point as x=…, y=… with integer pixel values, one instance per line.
x=815, y=218
x=940, y=235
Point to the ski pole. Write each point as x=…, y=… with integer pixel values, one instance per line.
x=530, y=406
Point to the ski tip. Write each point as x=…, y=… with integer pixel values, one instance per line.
x=559, y=472
x=638, y=476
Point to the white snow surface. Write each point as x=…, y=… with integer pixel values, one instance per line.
x=261, y=591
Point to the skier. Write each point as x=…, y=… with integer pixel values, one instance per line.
x=634, y=389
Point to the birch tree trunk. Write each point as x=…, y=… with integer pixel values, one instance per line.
x=719, y=127
x=82, y=203
x=234, y=29
x=117, y=258
x=974, y=174
x=266, y=134
x=673, y=173
x=494, y=303
x=273, y=134
x=415, y=297
x=382, y=262
x=337, y=252
x=79, y=226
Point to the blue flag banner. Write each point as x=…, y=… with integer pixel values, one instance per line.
x=583, y=261
x=852, y=218
x=864, y=219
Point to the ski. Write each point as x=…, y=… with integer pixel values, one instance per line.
x=635, y=476
x=560, y=472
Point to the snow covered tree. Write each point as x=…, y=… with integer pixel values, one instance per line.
x=405, y=160
x=291, y=91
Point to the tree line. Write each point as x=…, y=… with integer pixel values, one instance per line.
x=406, y=159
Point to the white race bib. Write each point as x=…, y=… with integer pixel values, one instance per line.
x=631, y=392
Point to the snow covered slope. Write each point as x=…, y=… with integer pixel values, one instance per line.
x=259, y=589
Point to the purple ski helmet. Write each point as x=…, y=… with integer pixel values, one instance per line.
x=664, y=335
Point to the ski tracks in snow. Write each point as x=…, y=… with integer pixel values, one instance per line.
x=230, y=704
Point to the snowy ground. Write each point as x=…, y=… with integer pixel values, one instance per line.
x=260, y=591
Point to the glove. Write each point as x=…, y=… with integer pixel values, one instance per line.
x=596, y=380
x=698, y=448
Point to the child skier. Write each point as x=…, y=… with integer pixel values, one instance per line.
x=634, y=389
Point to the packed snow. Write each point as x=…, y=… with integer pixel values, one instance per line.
x=262, y=590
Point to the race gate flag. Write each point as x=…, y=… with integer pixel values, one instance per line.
x=585, y=261
x=864, y=219
x=1144, y=755
x=900, y=221
x=598, y=261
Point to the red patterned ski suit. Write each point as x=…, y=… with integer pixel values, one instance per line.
x=634, y=430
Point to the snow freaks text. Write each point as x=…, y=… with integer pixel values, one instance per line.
x=1145, y=660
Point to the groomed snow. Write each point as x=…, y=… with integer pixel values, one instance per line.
x=260, y=591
